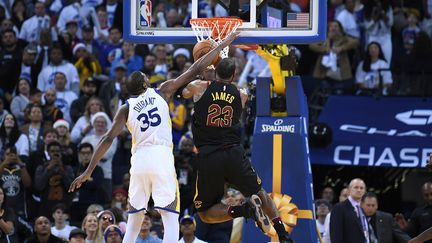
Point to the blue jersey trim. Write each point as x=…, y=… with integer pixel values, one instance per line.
x=136, y=211
x=167, y=209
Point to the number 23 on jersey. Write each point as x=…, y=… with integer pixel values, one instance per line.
x=219, y=117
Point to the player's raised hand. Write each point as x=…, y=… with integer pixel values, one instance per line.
x=76, y=184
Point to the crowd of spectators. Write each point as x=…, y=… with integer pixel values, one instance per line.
x=63, y=66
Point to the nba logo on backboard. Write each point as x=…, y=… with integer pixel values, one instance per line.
x=145, y=12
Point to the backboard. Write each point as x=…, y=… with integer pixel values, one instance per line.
x=264, y=21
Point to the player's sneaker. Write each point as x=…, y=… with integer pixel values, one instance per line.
x=257, y=214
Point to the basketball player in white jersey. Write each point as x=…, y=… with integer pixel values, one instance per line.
x=146, y=115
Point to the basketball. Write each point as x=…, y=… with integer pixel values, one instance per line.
x=203, y=47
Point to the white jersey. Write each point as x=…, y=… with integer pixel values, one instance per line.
x=149, y=120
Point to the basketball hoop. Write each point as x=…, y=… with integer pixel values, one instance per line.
x=215, y=29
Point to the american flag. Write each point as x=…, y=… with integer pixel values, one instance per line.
x=298, y=20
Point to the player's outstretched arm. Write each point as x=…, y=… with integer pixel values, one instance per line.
x=103, y=145
x=170, y=87
x=194, y=88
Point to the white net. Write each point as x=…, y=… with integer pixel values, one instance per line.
x=215, y=29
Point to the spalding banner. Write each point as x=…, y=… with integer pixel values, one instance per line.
x=280, y=155
x=389, y=131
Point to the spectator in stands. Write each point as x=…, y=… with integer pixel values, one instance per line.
x=113, y=234
x=94, y=209
x=328, y=194
x=333, y=64
x=10, y=63
x=185, y=164
x=90, y=226
x=35, y=128
x=132, y=61
x=90, y=192
x=382, y=227
x=31, y=28
x=101, y=35
x=68, y=148
x=3, y=111
x=50, y=112
x=86, y=63
x=101, y=123
x=7, y=220
x=149, y=70
x=83, y=125
x=70, y=13
x=409, y=33
x=105, y=219
x=21, y=100
x=187, y=228
x=119, y=216
x=113, y=92
x=421, y=217
x=378, y=24
x=64, y=97
x=42, y=232
x=77, y=236
x=180, y=57
x=323, y=208
x=160, y=51
x=52, y=180
x=31, y=67
x=58, y=64
x=10, y=135
x=418, y=67
x=114, y=42
x=18, y=14
x=178, y=117
x=69, y=39
x=145, y=234
x=346, y=226
x=78, y=106
x=14, y=180
x=373, y=72
x=343, y=195
x=88, y=39
x=40, y=156
x=61, y=227
x=119, y=201
x=348, y=20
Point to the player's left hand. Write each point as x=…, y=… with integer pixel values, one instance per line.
x=76, y=184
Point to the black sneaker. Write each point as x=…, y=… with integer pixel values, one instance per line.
x=285, y=238
x=257, y=214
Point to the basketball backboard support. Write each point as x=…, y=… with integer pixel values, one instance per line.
x=265, y=21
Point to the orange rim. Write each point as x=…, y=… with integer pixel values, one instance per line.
x=217, y=25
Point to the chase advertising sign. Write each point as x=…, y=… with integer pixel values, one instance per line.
x=390, y=131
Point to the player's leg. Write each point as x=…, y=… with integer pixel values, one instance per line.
x=270, y=209
x=248, y=182
x=139, y=194
x=210, y=186
x=165, y=192
x=171, y=226
x=133, y=226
